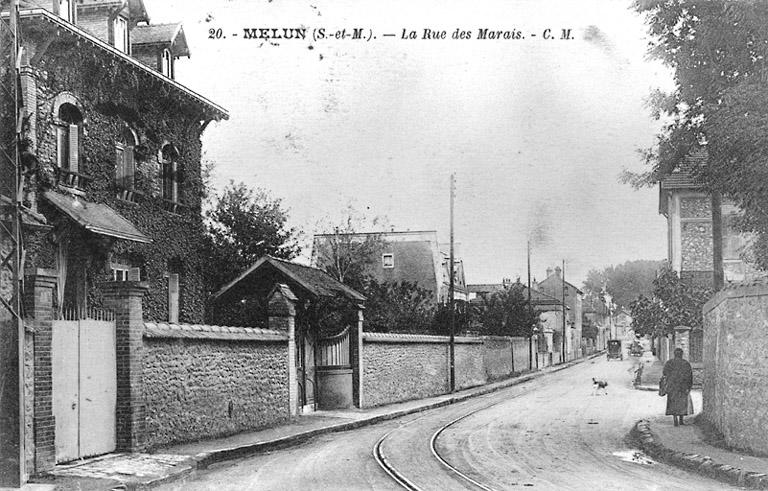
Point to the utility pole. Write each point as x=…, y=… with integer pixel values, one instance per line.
x=451, y=287
x=12, y=472
x=530, y=337
x=563, y=284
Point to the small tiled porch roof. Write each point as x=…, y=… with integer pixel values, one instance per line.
x=96, y=217
x=170, y=35
x=315, y=282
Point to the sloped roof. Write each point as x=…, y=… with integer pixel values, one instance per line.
x=317, y=283
x=682, y=176
x=163, y=34
x=96, y=217
x=136, y=7
x=537, y=297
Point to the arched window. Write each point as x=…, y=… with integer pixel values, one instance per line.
x=69, y=135
x=125, y=167
x=166, y=63
x=169, y=156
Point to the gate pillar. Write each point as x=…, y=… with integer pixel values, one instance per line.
x=356, y=359
x=124, y=298
x=282, y=317
x=39, y=307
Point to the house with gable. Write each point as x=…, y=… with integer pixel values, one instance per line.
x=111, y=201
x=555, y=286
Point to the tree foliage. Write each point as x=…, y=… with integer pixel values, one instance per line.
x=673, y=302
x=398, y=307
x=245, y=224
x=508, y=313
x=718, y=50
x=624, y=282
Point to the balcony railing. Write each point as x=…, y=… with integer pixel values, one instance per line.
x=71, y=179
x=130, y=195
x=173, y=206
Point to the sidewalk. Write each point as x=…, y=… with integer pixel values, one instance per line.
x=694, y=446
x=144, y=471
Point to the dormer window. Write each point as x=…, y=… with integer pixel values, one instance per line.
x=68, y=136
x=166, y=63
x=120, y=33
x=67, y=10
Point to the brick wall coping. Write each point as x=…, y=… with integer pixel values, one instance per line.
x=224, y=333
x=739, y=290
x=381, y=337
x=505, y=338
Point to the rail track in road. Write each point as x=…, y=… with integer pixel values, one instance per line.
x=403, y=481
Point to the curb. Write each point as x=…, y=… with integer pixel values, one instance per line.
x=642, y=436
x=205, y=459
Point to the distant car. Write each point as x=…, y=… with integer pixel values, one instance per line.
x=614, y=349
x=636, y=349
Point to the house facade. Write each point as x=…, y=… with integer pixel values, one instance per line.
x=555, y=286
x=415, y=257
x=118, y=144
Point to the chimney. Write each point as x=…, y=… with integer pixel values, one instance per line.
x=534, y=284
x=505, y=282
x=558, y=271
x=549, y=272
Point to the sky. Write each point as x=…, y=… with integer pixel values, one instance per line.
x=536, y=130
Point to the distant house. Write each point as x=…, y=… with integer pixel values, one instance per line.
x=688, y=210
x=415, y=257
x=555, y=286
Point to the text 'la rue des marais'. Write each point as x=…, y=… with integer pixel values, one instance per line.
x=365, y=34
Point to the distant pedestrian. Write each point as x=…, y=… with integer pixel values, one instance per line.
x=679, y=379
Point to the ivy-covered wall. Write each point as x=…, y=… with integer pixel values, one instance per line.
x=113, y=95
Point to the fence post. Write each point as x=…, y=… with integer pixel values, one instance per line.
x=282, y=317
x=39, y=303
x=124, y=299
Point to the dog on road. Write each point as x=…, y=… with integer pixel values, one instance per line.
x=599, y=386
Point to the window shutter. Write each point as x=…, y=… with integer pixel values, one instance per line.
x=134, y=274
x=74, y=154
x=130, y=167
x=61, y=146
x=174, y=184
x=119, y=165
x=173, y=297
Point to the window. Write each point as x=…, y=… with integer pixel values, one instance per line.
x=169, y=156
x=166, y=63
x=68, y=133
x=120, y=33
x=388, y=260
x=173, y=297
x=125, y=168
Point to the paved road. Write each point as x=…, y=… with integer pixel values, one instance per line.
x=550, y=433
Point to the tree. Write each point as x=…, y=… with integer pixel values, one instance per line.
x=245, y=224
x=398, y=307
x=673, y=303
x=345, y=253
x=508, y=313
x=624, y=282
x=719, y=51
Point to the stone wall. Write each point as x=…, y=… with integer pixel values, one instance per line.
x=210, y=381
x=401, y=367
x=736, y=365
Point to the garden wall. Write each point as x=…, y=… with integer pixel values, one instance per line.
x=210, y=381
x=401, y=367
x=736, y=365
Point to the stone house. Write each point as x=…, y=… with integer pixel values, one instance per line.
x=416, y=257
x=555, y=286
x=112, y=225
x=688, y=210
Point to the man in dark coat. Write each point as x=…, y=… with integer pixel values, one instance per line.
x=679, y=381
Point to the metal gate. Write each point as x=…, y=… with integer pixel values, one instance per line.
x=84, y=384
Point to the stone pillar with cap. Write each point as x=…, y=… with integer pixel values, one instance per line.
x=282, y=317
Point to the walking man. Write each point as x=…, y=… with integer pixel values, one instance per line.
x=679, y=378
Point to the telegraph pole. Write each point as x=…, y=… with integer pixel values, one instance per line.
x=563, y=277
x=451, y=287
x=530, y=337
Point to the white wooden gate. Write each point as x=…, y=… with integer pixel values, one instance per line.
x=84, y=384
